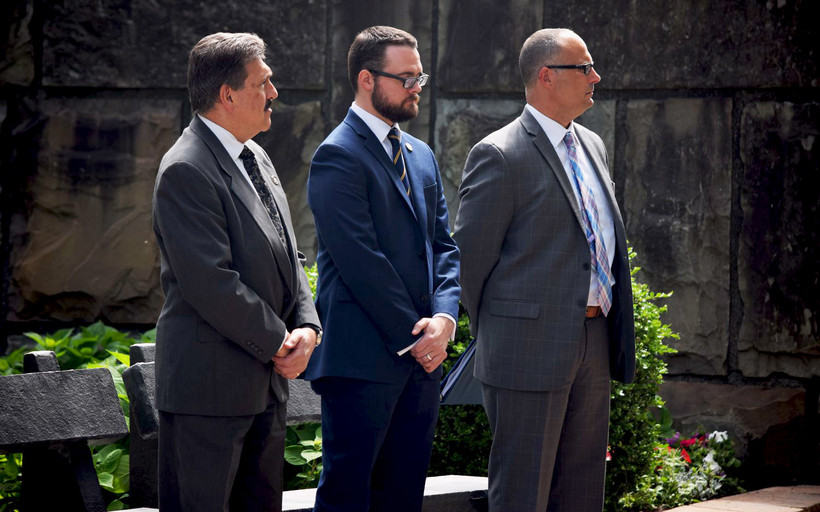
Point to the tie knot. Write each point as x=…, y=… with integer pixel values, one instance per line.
x=393, y=133
x=247, y=156
x=569, y=140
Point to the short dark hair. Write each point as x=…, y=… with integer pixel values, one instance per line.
x=220, y=59
x=369, y=46
x=538, y=50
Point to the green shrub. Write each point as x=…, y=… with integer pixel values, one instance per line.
x=633, y=429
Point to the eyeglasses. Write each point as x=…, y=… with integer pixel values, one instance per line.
x=585, y=68
x=408, y=83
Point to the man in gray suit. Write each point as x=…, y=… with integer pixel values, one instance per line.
x=238, y=318
x=545, y=280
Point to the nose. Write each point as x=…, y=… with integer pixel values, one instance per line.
x=594, y=76
x=272, y=92
x=416, y=88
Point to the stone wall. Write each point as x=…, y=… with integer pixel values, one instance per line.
x=709, y=111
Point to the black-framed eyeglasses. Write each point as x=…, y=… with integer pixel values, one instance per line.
x=408, y=83
x=585, y=68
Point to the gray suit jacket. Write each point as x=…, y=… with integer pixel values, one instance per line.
x=232, y=289
x=525, y=262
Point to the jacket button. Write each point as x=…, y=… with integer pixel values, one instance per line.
x=423, y=298
x=586, y=266
x=582, y=303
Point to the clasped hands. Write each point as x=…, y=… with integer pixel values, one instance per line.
x=431, y=349
x=294, y=354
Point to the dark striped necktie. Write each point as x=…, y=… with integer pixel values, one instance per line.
x=398, y=158
x=255, y=174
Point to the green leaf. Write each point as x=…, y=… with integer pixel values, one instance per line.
x=293, y=455
x=123, y=358
x=310, y=455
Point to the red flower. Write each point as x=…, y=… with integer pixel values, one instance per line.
x=689, y=442
x=685, y=456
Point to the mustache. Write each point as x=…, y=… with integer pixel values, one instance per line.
x=413, y=97
x=268, y=103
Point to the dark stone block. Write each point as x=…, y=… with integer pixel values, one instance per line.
x=295, y=133
x=87, y=247
x=145, y=44
x=677, y=184
x=142, y=353
x=480, y=41
x=460, y=124
x=349, y=18
x=667, y=45
x=778, y=254
x=40, y=361
x=59, y=406
x=17, y=55
x=303, y=404
x=140, y=384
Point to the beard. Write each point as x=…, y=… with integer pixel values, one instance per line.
x=398, y=113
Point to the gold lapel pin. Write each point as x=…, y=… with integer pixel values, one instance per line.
x=408, y=146
x=275, y=180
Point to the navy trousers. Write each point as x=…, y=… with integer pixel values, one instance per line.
x=376, y=442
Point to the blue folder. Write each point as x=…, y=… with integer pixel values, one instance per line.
x=459, y=387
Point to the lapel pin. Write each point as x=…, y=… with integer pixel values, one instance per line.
x=408, y=146
x=275, y=180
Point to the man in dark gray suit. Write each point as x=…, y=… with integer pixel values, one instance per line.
x=545, y=280
x=238, y=318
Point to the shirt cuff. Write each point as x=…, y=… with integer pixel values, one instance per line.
x=451, y=338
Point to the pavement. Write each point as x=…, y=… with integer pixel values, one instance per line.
x=801, y=498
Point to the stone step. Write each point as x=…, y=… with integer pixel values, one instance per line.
x=450, y=493
x=801, y=498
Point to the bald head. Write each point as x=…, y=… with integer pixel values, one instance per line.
x=540, y=49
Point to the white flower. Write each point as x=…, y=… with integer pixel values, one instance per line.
x=718, y=437
x=710, y=462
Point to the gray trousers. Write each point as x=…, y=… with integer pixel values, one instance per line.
x=549, y=448
x=222, y=463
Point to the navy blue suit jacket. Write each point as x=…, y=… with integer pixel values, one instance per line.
x=385, y=259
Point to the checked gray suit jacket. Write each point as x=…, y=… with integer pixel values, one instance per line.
x=525, y=261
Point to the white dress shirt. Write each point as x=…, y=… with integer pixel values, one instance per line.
x=556, y=133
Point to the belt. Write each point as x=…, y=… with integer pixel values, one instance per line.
x=594, y=311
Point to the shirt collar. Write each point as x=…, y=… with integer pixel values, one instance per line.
x=379, y=128
x=232, y=146
x=553, y=130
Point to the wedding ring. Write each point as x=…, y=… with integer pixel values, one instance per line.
x=429, y=358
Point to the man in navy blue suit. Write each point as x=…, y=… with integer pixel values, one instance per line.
x=388, y=285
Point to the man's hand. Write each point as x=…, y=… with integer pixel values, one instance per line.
x=292, y=358
x=431, y=349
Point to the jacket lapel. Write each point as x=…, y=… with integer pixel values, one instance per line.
x=374, y=146
x=248, y=197
x=603, y=176
x=544, y=146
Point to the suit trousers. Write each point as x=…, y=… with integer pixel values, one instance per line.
x=376, y=442
x=549, y=448
x=222, y=463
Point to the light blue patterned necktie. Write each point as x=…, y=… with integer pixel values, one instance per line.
x=600, y=261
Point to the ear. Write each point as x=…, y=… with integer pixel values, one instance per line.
x=545, y=75
x=225, y=96
x=366, y=80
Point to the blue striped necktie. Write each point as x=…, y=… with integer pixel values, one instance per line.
x=600, y=261
x=398, y=158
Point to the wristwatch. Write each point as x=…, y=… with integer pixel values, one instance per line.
x=319, y=332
